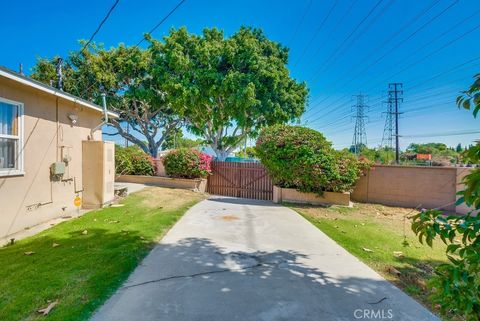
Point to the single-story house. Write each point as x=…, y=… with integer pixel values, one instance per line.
x=52, y=157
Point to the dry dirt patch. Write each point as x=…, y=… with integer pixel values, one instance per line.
x=395, y=217
x=167, y=198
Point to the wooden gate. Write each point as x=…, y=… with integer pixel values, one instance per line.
x=246, y=180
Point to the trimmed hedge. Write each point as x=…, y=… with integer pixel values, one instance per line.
x=133, y=161
x=301, y=158
x=187, y=163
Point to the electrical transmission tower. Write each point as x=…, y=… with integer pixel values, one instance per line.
x=359, y=135
x=390, y=131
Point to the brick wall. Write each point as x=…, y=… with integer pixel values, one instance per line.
x=411, y=186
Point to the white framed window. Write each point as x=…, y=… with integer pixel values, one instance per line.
x=11, y=137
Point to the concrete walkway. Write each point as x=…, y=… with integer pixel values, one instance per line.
x=131, y=187
x=235, y=259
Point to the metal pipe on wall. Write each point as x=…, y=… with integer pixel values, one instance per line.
x=105, y=114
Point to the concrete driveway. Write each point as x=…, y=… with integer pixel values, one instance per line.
x=235, y=259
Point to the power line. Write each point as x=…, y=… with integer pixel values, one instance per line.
x=300, y=22
x=404, y=40
x=336, y=121
x=361, y=33
x=411, y=35
x=423, y=26
x=100, y=25
x=339, y=21
x=418, y=61
x=162, y=21
x=403, y=27
x=428, y=107
x=435, y=51
x=344, y=130
x=436, y=105
x=415, y=110
x=449, y=133
x=447, y=31
x=389, y=39
x=350, y=35
x=414, y=86
x=317, y=31
x=327, y=108
x=136, y=46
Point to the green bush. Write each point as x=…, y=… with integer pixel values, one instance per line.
x=456, y=285
x=301, y=158
x=187, y=163
x=250, y=152
x=133, y=161
x=349, y=169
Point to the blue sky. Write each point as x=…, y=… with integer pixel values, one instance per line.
x=337, y=56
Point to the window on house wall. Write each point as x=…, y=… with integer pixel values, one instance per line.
x=11, y=136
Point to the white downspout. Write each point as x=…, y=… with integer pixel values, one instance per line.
x=105, y=115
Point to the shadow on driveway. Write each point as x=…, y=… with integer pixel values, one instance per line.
x=242, y=201
x=195, y=279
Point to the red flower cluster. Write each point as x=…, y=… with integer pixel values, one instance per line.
x=187, y=163
x=205, y=162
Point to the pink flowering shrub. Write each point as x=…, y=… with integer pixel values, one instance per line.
x=187, y=163
x=205, y=163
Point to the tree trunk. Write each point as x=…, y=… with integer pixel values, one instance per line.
x=153, y=151
x=221, y=154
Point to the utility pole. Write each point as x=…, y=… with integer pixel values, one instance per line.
x=59, y=74
x=359, y=134
x=175, y=139
x=395, y=94
x=128, y=131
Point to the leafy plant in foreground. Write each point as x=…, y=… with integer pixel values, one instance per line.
x=456, y=285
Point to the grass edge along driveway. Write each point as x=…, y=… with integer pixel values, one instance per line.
x=81, y=262
x=374, y=233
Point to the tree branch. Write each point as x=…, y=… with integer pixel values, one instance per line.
x=128, y=136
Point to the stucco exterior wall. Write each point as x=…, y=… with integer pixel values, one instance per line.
x=33, y=198
x=410, y=186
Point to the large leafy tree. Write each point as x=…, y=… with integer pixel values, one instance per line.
x=382, y=155
x=227, y=88
x=124, y=74
x=175, y=140
x=456, y=285
x=436, y=149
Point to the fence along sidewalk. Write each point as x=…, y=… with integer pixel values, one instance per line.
x=245, y=180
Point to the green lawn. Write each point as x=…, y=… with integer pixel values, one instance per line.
x=81, y=262
x=381, y=237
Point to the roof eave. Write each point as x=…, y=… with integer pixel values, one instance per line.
x=53, y=91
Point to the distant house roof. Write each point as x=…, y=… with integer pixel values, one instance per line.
x=7, y=73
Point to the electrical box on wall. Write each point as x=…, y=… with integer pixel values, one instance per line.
x=57, y=168
x=98, y=159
